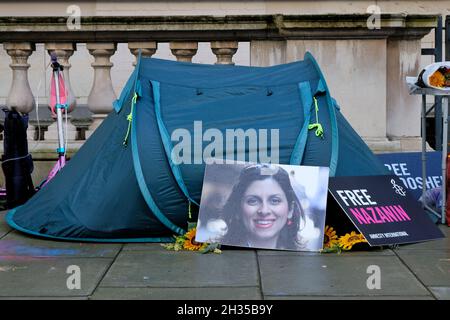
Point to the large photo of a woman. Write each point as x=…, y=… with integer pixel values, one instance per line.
x=263, y=206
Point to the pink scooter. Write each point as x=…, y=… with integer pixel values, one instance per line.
x=58, y=103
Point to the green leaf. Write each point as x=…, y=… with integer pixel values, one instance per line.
x=212, y=247
x=168, y=246
x=334, y=249
x=178, y=247
x=180, y=240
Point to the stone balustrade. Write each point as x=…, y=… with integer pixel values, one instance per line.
x=365, y=67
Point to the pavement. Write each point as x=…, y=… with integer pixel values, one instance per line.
x=32, y=268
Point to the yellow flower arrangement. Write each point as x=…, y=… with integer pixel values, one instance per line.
x=350, y=239
x=187, y=242
x=190, y=243
x=333, y=243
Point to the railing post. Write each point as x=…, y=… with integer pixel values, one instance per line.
x=447, y=38
x=147, y=49
x=447, y=55
x=102, y=93
x=20, y=97
x=224, y=51
x=437, y=99
x=184, y=51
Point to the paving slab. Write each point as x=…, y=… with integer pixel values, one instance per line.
x=45, y=298
x=159, y=247
x=349, y=298
x=432, y=267
x=210, y=293
x=439, y=244
x=163, y=268
x=385, y=252
x=47, y=277
x=142, y=247
x=20, y=244
x=325, y=276
x=445, y=229
x=441, y=293
x=4, y=228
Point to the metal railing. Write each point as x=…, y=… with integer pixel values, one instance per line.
x=435, y=139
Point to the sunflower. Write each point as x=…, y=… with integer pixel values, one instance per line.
x=330, y=238
x=189, y=242
x=350, y=239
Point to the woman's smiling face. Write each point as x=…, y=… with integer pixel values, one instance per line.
x=265, y=209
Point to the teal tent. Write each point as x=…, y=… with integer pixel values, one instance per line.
x=123, y=185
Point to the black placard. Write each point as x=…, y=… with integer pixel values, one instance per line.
x=408, y=167
x=383, y=210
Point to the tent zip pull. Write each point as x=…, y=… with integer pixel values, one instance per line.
x=130, y=119
x=316, y=125
x=190, y=212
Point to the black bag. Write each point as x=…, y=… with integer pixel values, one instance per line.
x=17, y=163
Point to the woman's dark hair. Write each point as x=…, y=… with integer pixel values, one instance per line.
x=232, y=212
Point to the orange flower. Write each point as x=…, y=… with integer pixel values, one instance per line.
x=190, y=243
x=437, y=79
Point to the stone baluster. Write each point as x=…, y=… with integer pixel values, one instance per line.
x=20, y=97
x=224, y=51
x=102, y=94
x=82, y=125
x=184, y=51
x=63, y=52
x=147, y=49
x=37, y=130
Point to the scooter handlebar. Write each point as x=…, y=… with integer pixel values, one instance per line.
x=54, y=62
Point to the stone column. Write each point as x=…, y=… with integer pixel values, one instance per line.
x=147, y=49
x=224, y=51
x=403, y=109
x=267, y=53
x=20, y=97
x=355, y=71
x=102, y=94
x=184, y=51
x=63, y=52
